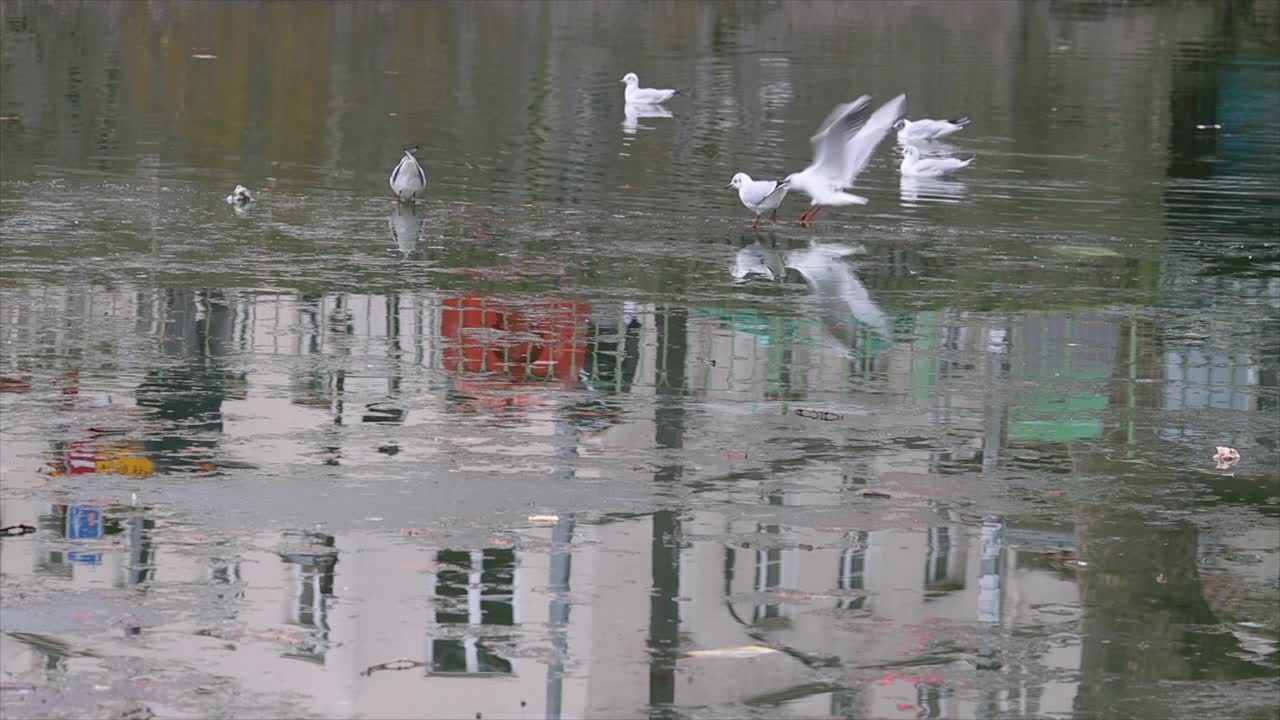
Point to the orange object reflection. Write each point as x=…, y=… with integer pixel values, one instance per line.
x=506, y=345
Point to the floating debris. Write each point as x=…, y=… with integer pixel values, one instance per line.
x=1086, y=251
x=1214, y=126
x=1226, y=457
x=818, y=414
x=204, y=56
x=741, y=651
x=987, y=659
x=544, y=519
x=16, y=530
x=240, y=196
x=400, y=664
x=876, y=494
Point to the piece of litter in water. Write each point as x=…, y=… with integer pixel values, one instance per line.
x=204, y=56
x=374, y=519
x=1225, y=457
x=1214, y=126
x=741, y=651
x=544, y=519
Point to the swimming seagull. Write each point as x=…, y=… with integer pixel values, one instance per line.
x=408, y=178
x=644, y=96
x=240, y=196
x=759, y=196
x=925, y=130
x=841, y=148
x=915, y=166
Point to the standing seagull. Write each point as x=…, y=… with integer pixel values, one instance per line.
x=925, y=130
x=759, y=196
x=408, y=178
x=915, y=166
x=644, y=96
x=841, y=148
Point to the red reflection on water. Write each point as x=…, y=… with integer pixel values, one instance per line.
x=500, y=345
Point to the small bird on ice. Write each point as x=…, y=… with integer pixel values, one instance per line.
x=644, y=96
x=760, y=196
x=915, y=166
x=240, y=196
x=408, y=179
x=924, y=130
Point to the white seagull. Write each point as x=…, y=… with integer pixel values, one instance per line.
x=408, y=178
x=240, y=196
x=760, y=196
x=915, y=166
x=924, y=130
x=841, y=148
x=644, y=96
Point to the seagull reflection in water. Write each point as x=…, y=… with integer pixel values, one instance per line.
x=912, y=189
x=633, y=112
x=406, y=228
x=844, y=305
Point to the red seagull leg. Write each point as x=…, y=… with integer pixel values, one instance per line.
x=775, y=215
x=757, y=222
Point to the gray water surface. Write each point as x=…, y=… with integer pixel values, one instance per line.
x=567, y=438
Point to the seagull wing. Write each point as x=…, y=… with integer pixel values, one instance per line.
x=422, y=174
x=939, y=165
x=650, y=95
x=755, y=192
x=840, y=125
x=857, y=152
x=777, y=193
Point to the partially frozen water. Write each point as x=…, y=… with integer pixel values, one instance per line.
x=553, y=444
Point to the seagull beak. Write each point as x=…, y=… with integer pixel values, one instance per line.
x=726, y=187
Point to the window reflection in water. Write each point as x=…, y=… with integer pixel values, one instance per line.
x=311, y=572
x=852, y=571
x=769, y=566
x=474, y=589
x=944, y=562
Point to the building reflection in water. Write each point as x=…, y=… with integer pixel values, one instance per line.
x=310, y=567
x=186, y=389
x=473, y=598
x=851, y=579
x=1008, y=392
